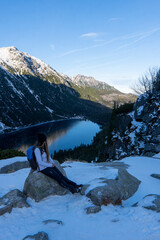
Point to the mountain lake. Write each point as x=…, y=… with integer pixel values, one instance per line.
x=63, y=134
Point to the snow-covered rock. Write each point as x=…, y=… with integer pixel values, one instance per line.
x=151, y=202
x=114, y=190
x=13, y=199
x=14, y=167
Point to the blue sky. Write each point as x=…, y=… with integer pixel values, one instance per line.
x=115, y=41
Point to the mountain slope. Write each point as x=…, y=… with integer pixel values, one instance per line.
x=97, y=91
x=32, y=92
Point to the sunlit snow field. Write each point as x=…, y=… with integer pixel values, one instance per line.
x=111, y=223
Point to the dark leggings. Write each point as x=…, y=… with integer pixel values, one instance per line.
x=54, y=173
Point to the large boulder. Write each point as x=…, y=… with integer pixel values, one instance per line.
x=13, y=199
x=114, y=190
x=38, y=186
x=14, y=167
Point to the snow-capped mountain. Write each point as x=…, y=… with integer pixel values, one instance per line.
x=22, y=63
x=32, y=92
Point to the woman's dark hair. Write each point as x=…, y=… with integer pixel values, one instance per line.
x=41, y=138
x=42, y=144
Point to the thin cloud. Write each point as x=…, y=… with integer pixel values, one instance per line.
x=52, y=46
x=136, y=36
x=113, y=19
x=89, y=35
x=141, y=37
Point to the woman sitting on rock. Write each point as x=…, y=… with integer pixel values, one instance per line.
x=47, y=166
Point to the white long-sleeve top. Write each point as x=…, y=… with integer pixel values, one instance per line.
x=42, y=159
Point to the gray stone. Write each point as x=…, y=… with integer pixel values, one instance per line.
x=13, y=199
x=127, y=184
x=114, y=190
x=151, y=205
x=59, y=222
x=38, y=236
x=93, y=209
x=38, y=186
x=14, y=167
x=155, y=175
x=7, y=208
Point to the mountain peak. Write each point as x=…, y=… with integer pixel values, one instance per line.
x=22, y=63
x=8, y=49
x=13, y=48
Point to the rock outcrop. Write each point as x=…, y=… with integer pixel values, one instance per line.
x=38, y=186
x=13, y=199
x=114, y=190
x=136, y=132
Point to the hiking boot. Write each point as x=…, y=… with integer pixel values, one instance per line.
x=74, y=190
x=79, y=186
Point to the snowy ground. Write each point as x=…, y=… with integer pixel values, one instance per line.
x=111, y=223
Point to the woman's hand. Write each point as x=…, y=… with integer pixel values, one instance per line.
x=53, y=164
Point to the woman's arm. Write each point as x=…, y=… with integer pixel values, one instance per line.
x=51, y=161
x=39, y=158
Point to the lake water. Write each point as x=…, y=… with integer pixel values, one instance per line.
x=60, y=135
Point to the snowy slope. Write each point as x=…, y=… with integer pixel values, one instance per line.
x=12, y=58
x=111, y=223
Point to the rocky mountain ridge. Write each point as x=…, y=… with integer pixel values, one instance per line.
x=82, y=80
x=98, y=91
x=137, y=132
